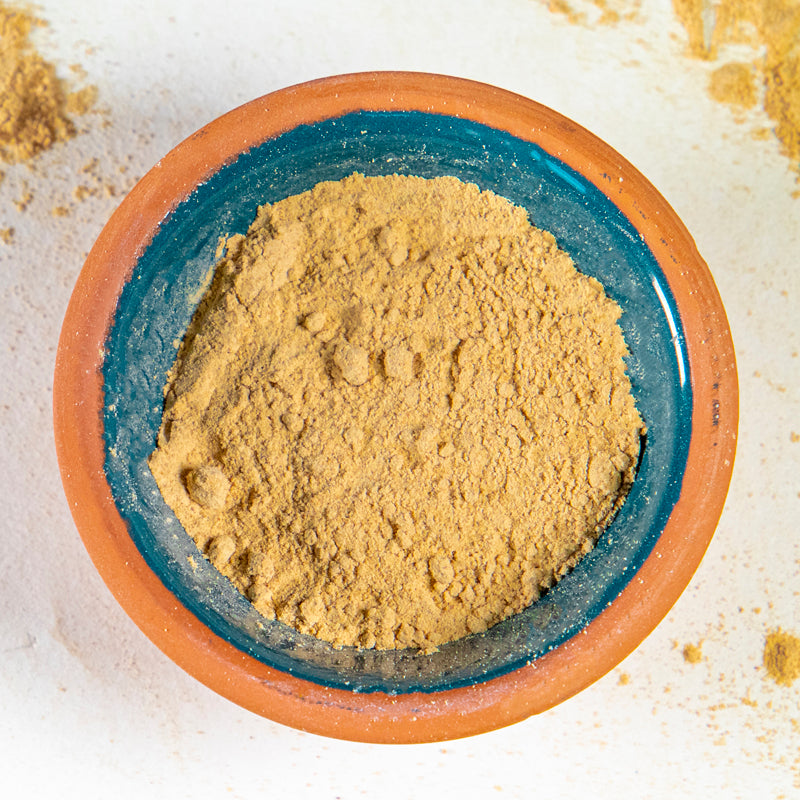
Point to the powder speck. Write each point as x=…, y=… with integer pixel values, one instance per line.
x=24, y=200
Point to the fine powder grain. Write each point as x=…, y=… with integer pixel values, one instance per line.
x=399, y=414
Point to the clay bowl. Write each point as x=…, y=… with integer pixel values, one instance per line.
x=137, y=292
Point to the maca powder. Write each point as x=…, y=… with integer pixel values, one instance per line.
x=399, y=414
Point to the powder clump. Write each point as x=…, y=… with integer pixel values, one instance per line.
x=399, y=414
x=692, y=653
x=782, y=657
x=734, y=83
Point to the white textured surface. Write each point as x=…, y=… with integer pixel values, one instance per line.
x=89, y=708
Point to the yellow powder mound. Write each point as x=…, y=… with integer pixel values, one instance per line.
x=596, y=12
x=771, y=27
x=400, y=413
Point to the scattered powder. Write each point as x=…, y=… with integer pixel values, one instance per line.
x=772, y=29
x=82, y=101
x=748, y=701
x=624, y=679
x=782, y=657
x=60, y=197
x=692, y=653
x=399, y=415
x=81, y=192
x=6, y=235
x=34, y=103
x=718, y=29
x=78, y=71
x=764, y=720
x=24, y=200
x=794, y=437
x=596, y=12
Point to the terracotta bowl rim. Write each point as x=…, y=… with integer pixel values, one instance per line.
x=378, y=717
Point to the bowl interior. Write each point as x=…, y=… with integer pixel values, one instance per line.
x=158, y=301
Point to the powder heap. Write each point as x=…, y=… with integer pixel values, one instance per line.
x=782, y=657
x=34, y=102
x=399, y=414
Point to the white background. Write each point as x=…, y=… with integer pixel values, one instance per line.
x=90, y=708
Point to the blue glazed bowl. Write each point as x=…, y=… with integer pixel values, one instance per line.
x=587, y=196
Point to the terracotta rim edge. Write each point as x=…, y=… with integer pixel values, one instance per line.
x=78, y=402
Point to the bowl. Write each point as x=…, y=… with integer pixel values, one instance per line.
x=143, y=279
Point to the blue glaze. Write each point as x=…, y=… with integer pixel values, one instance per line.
x=157, y=303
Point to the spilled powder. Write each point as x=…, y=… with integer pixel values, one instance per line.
x=727, y=32
x=399, y=415
x=734, y=83
x=596, y=12
x=772, y=29
x=782, y=657
x=692, y=653
x=35, y=104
